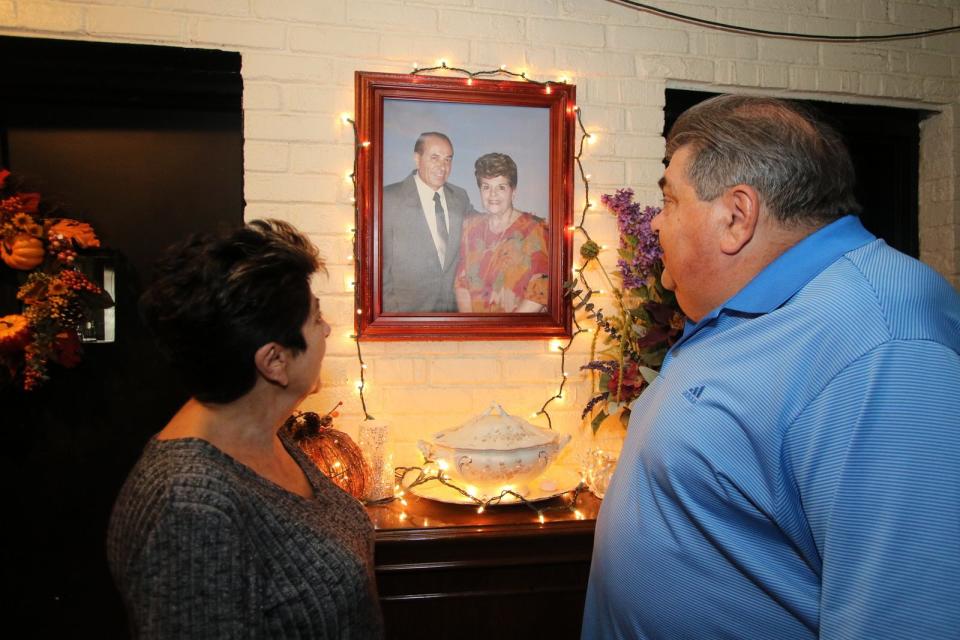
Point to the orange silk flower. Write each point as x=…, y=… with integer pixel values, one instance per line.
x=80, y=232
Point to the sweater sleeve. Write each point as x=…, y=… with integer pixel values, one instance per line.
x=193, y=584
x=874, y=460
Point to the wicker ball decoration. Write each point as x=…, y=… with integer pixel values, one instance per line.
x=334, y=452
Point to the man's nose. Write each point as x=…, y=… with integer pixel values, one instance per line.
x=655, y=223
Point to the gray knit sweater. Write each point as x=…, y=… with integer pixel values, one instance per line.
x=201, y=546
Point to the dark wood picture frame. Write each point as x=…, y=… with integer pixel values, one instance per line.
x=372, y=322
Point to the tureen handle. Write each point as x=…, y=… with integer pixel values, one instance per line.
x=495, y=407
x=426, y=449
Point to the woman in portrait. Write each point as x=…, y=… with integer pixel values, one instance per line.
x=224, y=527
x=503, y=252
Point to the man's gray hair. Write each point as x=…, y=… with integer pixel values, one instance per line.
x=798, y=164
x=422, y=139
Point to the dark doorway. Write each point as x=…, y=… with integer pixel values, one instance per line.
x=885, y=145
x=145, y=143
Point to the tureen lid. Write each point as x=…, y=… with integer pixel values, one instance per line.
x=494, y=429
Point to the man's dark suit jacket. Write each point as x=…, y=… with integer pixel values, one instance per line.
x=413, y=278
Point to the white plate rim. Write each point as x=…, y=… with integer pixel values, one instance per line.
x=567, y=480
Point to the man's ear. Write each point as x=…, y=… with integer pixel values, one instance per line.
x=741, y=215
x=271, y=362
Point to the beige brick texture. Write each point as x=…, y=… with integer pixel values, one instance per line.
x=247, y=33
x=136, y=23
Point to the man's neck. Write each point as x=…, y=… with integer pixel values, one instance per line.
x=423, y=185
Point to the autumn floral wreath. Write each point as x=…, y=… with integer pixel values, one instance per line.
x=55, y=297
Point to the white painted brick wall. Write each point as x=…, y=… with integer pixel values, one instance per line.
x=47, y=17
x=299, y=57
x=323, y=11
x=245, y=33
x=136, y=23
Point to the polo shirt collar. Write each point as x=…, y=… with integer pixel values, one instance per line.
x=793, y=269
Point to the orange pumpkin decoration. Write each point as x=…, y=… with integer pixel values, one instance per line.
x=14, y=332
x=335, y=453
x=24, y=253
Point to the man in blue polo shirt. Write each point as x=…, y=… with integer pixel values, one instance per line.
x=794, y=472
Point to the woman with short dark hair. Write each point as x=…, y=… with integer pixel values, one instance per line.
x=224, y=528
x=503, y=253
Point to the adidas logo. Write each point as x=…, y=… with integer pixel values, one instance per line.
x=693, y=394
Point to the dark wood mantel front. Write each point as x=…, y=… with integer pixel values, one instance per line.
x=445, y=571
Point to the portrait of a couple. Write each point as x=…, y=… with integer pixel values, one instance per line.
x=448, y=248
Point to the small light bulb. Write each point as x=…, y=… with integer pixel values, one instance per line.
x=416, y=65
x=541, y=518
x=549, y=89
x=365, y=143
x=469, y=82
x=480, y=509
x=503, y=67
x=403, y=516
x=345, y=118
x=359, y=312
x=576, y=108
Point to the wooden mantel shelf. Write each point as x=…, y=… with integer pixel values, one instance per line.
x=446, y=571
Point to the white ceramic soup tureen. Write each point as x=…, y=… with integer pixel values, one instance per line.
x=494, y=450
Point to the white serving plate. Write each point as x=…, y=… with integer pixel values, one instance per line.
x=556, y=481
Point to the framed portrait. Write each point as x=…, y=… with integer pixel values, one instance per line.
x=465, y=199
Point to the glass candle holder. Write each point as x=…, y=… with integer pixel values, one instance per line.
x=598, y=469
x=374, y=441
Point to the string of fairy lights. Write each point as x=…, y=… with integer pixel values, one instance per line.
x=429, y=473
x=578, y=289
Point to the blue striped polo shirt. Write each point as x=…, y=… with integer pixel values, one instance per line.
x=794, y=472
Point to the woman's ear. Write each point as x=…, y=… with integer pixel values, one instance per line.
x=271, y=361
x=742, y=213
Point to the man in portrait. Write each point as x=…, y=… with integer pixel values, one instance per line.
x=422, y=221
